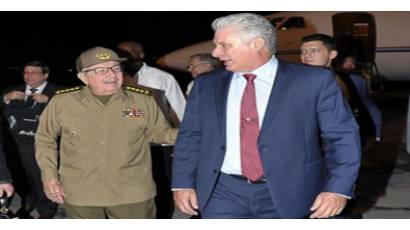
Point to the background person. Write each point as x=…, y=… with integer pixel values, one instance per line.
x=23, y=105
x=200, y=63
x=320, y=50
x=147, y=76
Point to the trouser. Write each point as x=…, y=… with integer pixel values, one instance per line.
x=36, y=197
x=234, y=198
x=161, y=169
x=141, y=210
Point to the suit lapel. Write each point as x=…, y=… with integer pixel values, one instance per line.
x=221, y=100
x=279, y=88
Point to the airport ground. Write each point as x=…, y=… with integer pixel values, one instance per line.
x=383, y=186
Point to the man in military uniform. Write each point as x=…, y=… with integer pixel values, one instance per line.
x=105, y=167
x=23, y=105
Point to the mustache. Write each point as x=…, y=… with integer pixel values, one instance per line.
x=110, y=80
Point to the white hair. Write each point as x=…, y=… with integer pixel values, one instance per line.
x=249, y=26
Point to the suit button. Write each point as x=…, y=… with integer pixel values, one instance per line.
x=215, y=171
x=223, y=148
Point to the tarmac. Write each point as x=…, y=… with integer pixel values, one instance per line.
x=383, y=186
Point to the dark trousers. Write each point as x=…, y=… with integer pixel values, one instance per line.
x=36, y=197
x=161, y=169
x=235, y=198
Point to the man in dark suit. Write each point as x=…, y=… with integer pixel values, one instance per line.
x=320, y=50
x=23, y=105
x=248, y=145
x=5, y=177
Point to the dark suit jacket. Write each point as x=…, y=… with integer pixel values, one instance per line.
x=305, y=103
x=375, y=114
x=4, y=171
x=26, y=115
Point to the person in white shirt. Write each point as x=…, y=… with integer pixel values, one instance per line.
x=153, y=77
x=148, y=76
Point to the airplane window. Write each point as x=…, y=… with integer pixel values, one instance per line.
x=293, y=23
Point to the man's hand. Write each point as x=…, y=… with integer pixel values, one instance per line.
x=6, y=188
x=328, y=204
x=15, y=95
x=54, y=191
x=186, y=201
x=40, y=98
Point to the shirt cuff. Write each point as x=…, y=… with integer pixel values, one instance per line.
x=347, y=197
x=179, y=189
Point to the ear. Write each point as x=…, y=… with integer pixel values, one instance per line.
x=46, y=76
x=82, y=77
x=142, y=55
x=333, y=54
x=258, y=43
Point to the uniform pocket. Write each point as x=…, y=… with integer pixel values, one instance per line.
x=74, y=132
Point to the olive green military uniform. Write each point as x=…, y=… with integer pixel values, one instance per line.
x=104, y=149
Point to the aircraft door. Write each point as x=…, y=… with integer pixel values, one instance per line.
x=355, y=33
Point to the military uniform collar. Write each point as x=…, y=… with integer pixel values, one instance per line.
x=85, y=94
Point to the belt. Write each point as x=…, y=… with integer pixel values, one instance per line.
x=240, y=177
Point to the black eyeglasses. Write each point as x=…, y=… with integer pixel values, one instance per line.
x=101, y=71
x=191, y=66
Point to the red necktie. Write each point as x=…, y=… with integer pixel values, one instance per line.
x=250, y=160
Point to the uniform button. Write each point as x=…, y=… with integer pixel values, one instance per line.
x=102, y=142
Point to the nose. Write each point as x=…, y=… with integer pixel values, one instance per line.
x=216, y=52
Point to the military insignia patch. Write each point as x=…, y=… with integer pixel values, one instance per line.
x=69, y=90
x=132, y=113
x=103, y=56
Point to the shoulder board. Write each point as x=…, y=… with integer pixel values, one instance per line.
x=69, y=90
x=138, y=90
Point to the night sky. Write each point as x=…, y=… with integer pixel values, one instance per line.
x=59, y=37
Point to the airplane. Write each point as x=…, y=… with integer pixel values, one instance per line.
x=380, y=40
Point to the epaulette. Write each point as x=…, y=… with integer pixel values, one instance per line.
x=69, y=90
x=138, y=90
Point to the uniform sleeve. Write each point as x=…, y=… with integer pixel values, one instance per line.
x=158, y=130
x=46, y=141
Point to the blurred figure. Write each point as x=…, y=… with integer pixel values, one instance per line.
x=349, y=63
x=320, y=50
x=408, y=128
x=148, y=76
x=5, y=178
x=104, y=165
x=200, y=63
x=23, y=107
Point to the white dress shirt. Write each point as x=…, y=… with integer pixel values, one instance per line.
x=158, y=79
x=39, y=89
x=265, y=77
